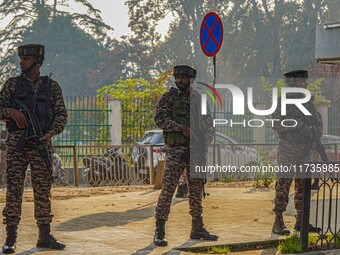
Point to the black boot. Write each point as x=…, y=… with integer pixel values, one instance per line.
x=159, y=238
x=46, y=240
x=311, y=228
x=279, y=227
x=198, y=231
x=11, y=239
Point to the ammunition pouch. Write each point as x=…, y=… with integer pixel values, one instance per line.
x=175, y=138
x=300, y=136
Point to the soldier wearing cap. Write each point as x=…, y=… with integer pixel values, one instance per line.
x=292, y=141
x=173, y=116
x=43, y=96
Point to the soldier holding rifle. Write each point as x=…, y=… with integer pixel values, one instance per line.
x=34, y=110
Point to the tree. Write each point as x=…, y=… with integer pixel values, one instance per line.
x=70, y=54
x=27, y=13
x=181, y=45
x=262, y=37
x=138, y=98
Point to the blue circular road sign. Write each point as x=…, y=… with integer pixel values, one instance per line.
x=211, y=34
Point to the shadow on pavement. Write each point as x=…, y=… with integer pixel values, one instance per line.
x=147, y=250
x=150, y=248
x=109, y=219
x=112, y=219
x=35, y=250
x=148, y=192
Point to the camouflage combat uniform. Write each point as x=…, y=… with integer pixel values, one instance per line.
x=174, y=166
x=291, y=151
x=18, y=159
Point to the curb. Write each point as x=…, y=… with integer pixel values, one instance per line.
x=256, y=245
x=235, y=247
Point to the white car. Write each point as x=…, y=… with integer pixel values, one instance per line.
x=231, y=153
x=141, y=153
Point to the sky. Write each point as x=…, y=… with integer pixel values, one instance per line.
x=114, y=13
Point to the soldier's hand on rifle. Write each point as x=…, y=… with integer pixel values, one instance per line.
x=18, y=117
x=188, y=133
x=46, y=137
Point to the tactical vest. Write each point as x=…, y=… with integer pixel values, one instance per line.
x=299, y=136
x=40, y=102
x=180, y=113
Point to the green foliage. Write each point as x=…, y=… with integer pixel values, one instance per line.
x=228, y=179
x=70, y=53
x=219, y=250
x=139, y=99
x=263, y=38
x=291, y=244
x=312, y=239
x=264, y=179
x=268, y=87
x=314, y=88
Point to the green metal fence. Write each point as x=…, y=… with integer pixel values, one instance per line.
x=137, y=117
x=87, y=122
x=334, y=119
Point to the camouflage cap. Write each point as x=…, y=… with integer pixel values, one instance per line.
x=184, y=70
x=298, y=74
x=37, y=50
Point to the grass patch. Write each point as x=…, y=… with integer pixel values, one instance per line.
x=219, y=250
x=291, y=244
x=331, y=239
x=264, y=179
x=334, y=239
x=228, y=180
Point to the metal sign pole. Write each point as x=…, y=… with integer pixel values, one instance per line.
x=214, y=114
x=211, y=37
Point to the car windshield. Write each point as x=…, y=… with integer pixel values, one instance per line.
x=224, y=140
x=152, y=138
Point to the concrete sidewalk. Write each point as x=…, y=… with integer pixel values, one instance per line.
x=123, y=223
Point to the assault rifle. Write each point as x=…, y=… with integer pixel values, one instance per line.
x=319, y=146
x=34, y=132
x=198, y=150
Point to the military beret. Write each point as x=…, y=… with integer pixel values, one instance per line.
x=302, y=74
x=184, y=70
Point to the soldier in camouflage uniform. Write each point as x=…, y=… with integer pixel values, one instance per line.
x=292, y=141
x=43, y=96
x=173, y=110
